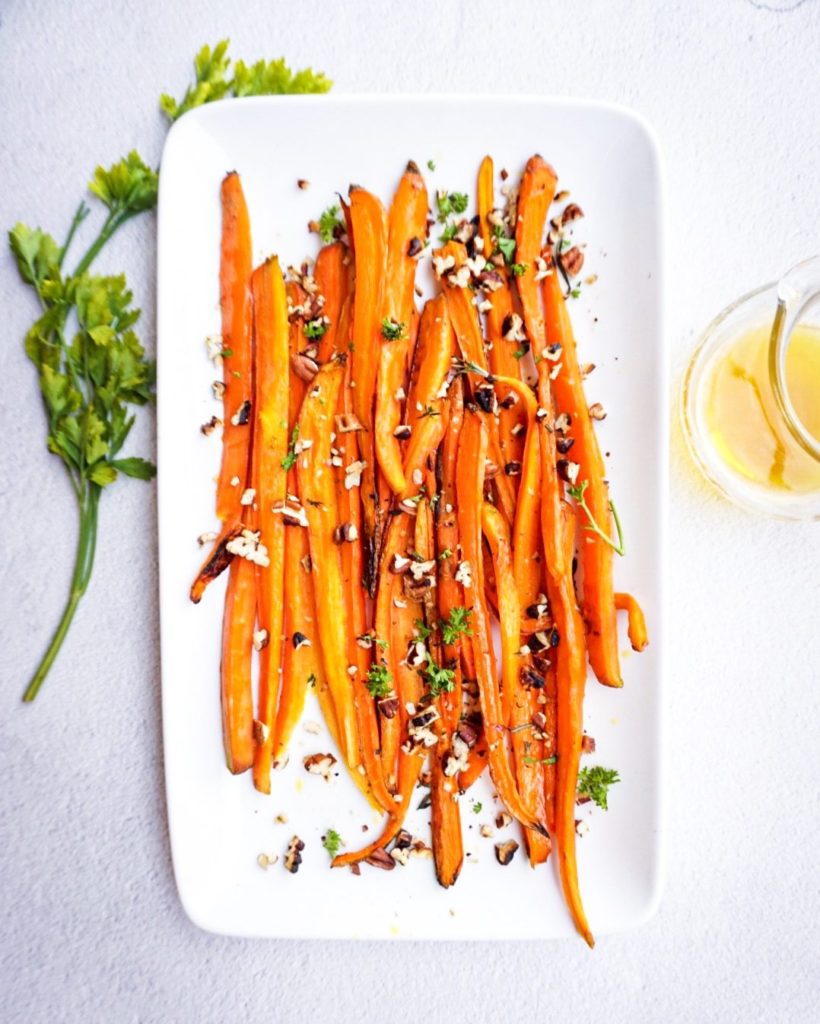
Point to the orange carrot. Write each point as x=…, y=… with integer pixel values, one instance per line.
x=638, y=636
x=598, y=599
x=407, y=227
x=269, y=486
x=515, y=669
x=318, y=494
x=369, y=229
x=237, y=650
x=467, y=327
x=332, y=277
x=500, y=321
x=470, y=491
x=536, y=192
x=235, y=298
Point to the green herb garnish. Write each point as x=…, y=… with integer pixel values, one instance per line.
x=576, y=293
x=431, y=165
x=329, y=221
x=89, y=381
x=518, y=269
x=477, y=807
x=332, y=842
x=506, y=246
x=539, y=760
x=392, y=330
x=379, y=681
x=594, y=783
x=289, y=460
x=424, y=630
x=439, y=680
x=214, y=81
x=577, y=492
x=448, y=203
x=456, y=625
x=315, y=329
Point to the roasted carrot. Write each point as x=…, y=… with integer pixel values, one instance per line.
x=318, y=495
x=237, y=651
x=302, y=665
x=515, y=667
x=433, y=357
x=598, y=597
x=369, y=226
x=470, y=491
x=331, y=274
x=505, y=352
x=478, y=761
x=536, y=192
x=449, y=591
x=349, y=536
x=445, y=819
x=235, y=298
x=570, y=683
x=638, y=636
x=268, y=490
x=467, y=328
x=407, y=230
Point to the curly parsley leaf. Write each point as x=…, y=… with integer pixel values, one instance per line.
x=332, y=842
x=379, y=681
x=329, y=222
x=594, y=783
x=439, y=680
x=456, y=625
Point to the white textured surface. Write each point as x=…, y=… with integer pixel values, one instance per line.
x=91, y=928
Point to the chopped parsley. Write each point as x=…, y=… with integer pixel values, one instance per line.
x=289, y=460
x=540, y=760
x=594, y=783
x=456, y=625
x=392, y=330
x=439, y=680
x=423, y=630
x=431, y=165
x=449, y=233
x=506, y=246
x=332, y=841
x=477, y=807
x=429, y=411
x=315, y=329
x=576, y=293
x=521, y=352
x=328, y=222
x=448, y=203
x=517, y=269
x=379, y=681
x=446, y=553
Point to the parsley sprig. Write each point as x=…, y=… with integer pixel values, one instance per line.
x=456, y=625
x=439, y=679
x=594, y=782
x=329, y=221
x=332, y=842
x=91, y=367
x=216, y=80
x=379, y=681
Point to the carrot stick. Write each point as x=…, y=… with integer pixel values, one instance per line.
x=235, y=298
x=407, y=224
x=369, y=227
x=502, y=351
x=536, y=192
x=449, y=591
x=332, y=277
x=516, y=695
x=467, y=327
x=235, y=670
x=302, y=666
x=470, y=491
x=317, y=492
x=433, y=357
x=598, y=599
x=548, y=746
x=350, y=547
x=448, y=848
x=269, y=485
x=570, y=682
x=385, y=654
x=638, y=636
x=477, y=763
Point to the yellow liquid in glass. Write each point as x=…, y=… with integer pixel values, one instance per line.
x=742, y=417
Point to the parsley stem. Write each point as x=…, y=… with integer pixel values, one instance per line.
x=115, y=219
x=83, y=564
x=79, y=217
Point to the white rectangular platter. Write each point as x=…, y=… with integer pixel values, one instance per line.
x=218, y=823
